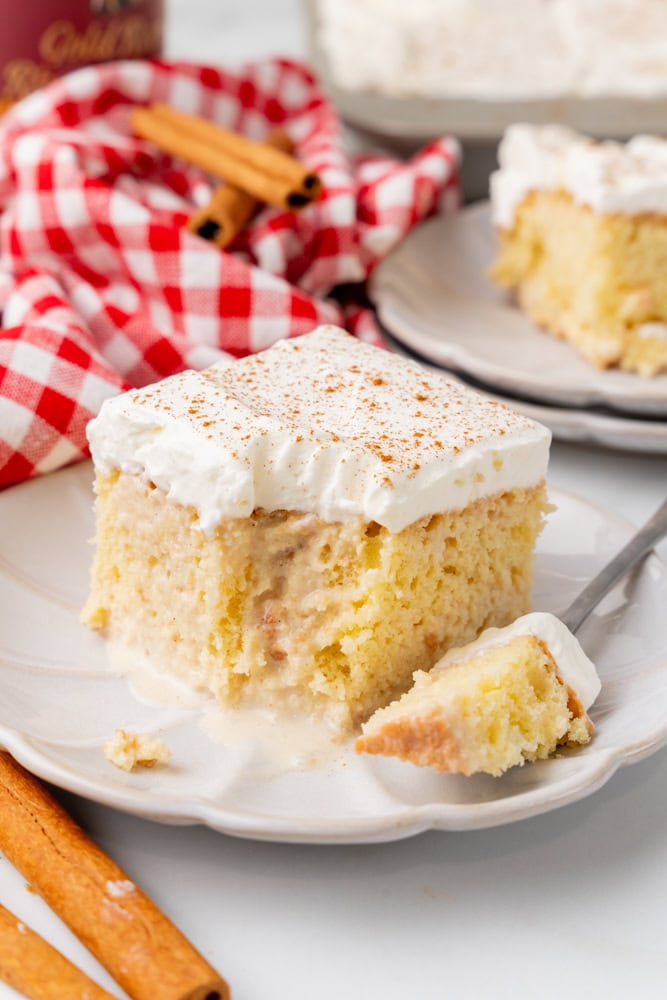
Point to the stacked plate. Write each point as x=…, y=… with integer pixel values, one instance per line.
x=435, y=301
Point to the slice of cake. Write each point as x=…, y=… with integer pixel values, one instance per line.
x=307, y=526
x=515, y=694
x=582, y=229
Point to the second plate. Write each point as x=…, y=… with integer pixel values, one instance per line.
x=433, y=294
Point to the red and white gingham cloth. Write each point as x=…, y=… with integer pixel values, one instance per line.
x=101, y=286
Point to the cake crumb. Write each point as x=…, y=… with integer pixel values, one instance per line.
x=130, y=750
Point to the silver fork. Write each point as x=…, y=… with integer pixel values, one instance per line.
x=636, y=549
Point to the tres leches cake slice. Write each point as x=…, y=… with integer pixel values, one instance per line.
x=307, y=526
x=515, y=694
x=582, y=229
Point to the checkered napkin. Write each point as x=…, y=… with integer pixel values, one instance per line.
x=101, y=286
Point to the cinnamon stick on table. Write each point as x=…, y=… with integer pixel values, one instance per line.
x=30, y=965
x=269, y=175
x=144, y=952
x=231, y=208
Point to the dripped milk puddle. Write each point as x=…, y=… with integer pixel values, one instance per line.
x=272, y=741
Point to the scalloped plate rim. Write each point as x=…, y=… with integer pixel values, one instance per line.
x=597, y=767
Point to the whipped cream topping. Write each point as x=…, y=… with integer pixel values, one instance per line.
x=610, y=177
x=574, y=667
x=322, y=424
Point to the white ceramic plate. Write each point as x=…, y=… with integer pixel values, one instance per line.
x=611, y=430
x=433, y=295
x=59, y=702
x=607, y=429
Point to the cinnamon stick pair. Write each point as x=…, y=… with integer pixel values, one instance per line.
x=265, y=171
x=144, y=952
x=231, y=208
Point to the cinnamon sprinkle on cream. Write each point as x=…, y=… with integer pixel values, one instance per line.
x=312, y=424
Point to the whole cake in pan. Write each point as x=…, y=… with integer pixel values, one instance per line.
x=495, y=52
x=304, y=528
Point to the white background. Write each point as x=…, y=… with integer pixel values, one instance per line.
x=571, y=904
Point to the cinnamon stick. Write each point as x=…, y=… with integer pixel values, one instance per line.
x=32, y=966
x=273, y=162
x=144, y=952
x=269, y=175
x=231, y=208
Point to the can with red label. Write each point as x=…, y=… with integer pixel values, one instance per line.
x=40, y=39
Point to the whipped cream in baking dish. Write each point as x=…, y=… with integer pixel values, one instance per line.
x=496, y=50
x=444, y=48
x=574, y=667
x=608, y=176
x=322, y=424
x=617, y=47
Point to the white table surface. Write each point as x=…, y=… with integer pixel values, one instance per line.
x=569, y=904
